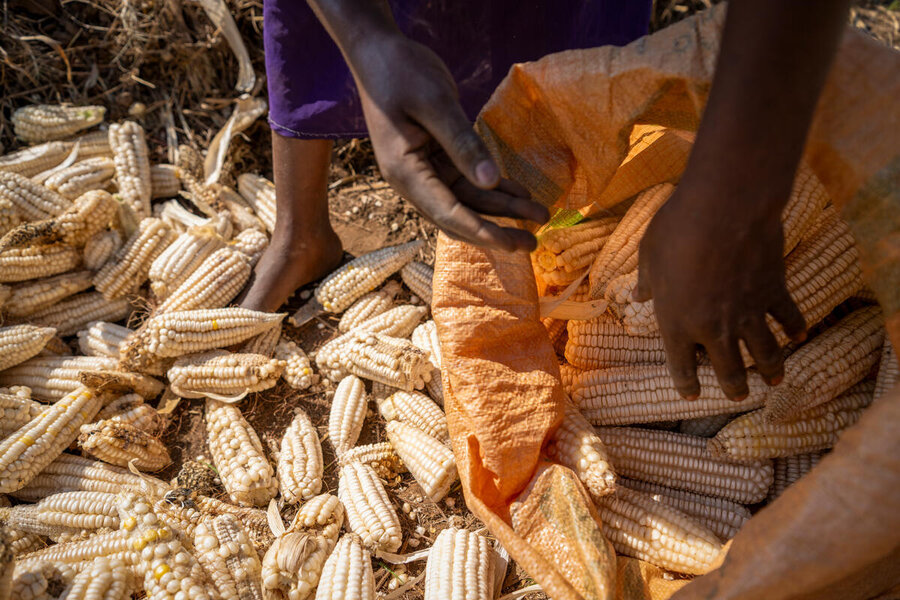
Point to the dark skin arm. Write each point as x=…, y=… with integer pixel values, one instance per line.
x=425, y=145
x=711, y=259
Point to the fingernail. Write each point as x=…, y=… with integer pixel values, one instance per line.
x=800, y=338
x=740, y=398
x=486, y=173
x=776, y=380
x=692, y=397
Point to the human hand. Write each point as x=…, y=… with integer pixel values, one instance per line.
x=426, y=147
x=712, y=263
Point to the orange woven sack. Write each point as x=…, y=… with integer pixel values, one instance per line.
x=561, y=126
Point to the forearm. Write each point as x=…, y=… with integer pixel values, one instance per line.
x=772, y=65
x=351, y=23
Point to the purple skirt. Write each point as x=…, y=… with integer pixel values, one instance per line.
x=311, y=90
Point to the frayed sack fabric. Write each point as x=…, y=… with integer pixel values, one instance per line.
x=562, y=127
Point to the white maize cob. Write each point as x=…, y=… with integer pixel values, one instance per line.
x=647, y=529
x=722, y=517
x=417, y=276
x=9, y=216
x=416, y=409
x=131, y=265
x=131, y=156
x=429, y=461
x=564, y=253
x=347, y=574
x=425, y=337
x=389, y=360
x=177, y=262
x=64, y=514
x=683, y=462
x=130, y=409
x=223, y=548
x=105, y=579
x=238, y=455
x=19, y=343
x=119, y=382
x=361, y=275
x=380, y=456
x=368, y=306
x=164, y=182
x=89, y=214
x=73, y=314
x=297, y=371
x=370, y=513
x=102, y=339
x=604, y=342
x=259, y=193
x=252, y=242
x=52, y=377
x=15, y=411
x=85, y=175
x=33, y=262
x=461, y=564
x=300, y=465
x=347, y=415
x=122, y=444
x=47, y=122
x=34, y=445
x=32, y=201
x=78, y=554
x=40, y=580
x=5, y=293
x=30, y=161
x=888, y=370
x=789, y=469
x=215, y=283
x=576, y=445
x=806, y=203
x=221, y=375
x=264, y=343
x=293, y=564
x=33, y=296
x=100, y=248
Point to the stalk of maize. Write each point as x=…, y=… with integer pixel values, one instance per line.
x=461, y=564
x=576, y=445
x=129, y=148
x=73, y=314
x=15, y=411
x=122, y=444
x=293, y=564
x=89, y=214
x=221, y=375
x=131, y=265
x=297, y=370
x=368, y=306
x=102, y=339
x=252, y=242
x=131, y=410
x=70, y=473
x=225, y=551
x=52, y=377
x=300, y=465
x=370, y=513
x=563, y=254
x=753, y=437
x=647, y=529
x=807, y=201
x=19, y=343
x=164, y=182
x=722, y=517
x=259, y=193
x=604, y=342
x=215, y=283
x=888, y=370
x=380, y=456
x=347, y=574
x=429, y=461
x=175, y=334
x=33, y=201
x=361, y=275
x=417, y=276
x=347, y=415
x=264, y=343
x=646, y=394
x=47, y=122
x=33, y=262
x=789, y=469
x=705, y=427
x=100, y=248
x=683, y=462
x=64, y=514
x=238, y=455
x=33, y=446
x=829, y=364
x=620, y=252
x=85, y=175
x=416, y=409
x=177, y=262
x=389, y=360
x=33, y=296
x=105, y=579
x=118, y=382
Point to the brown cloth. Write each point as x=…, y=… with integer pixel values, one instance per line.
x=561, y=126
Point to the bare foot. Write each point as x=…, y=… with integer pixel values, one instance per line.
x=290, y=262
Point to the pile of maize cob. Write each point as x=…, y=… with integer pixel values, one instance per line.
x=113, y=292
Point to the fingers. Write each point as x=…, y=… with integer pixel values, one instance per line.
x=725, y=355
x=681, y=358
x=786, y=312
x=642, y=291
x=764, y=349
